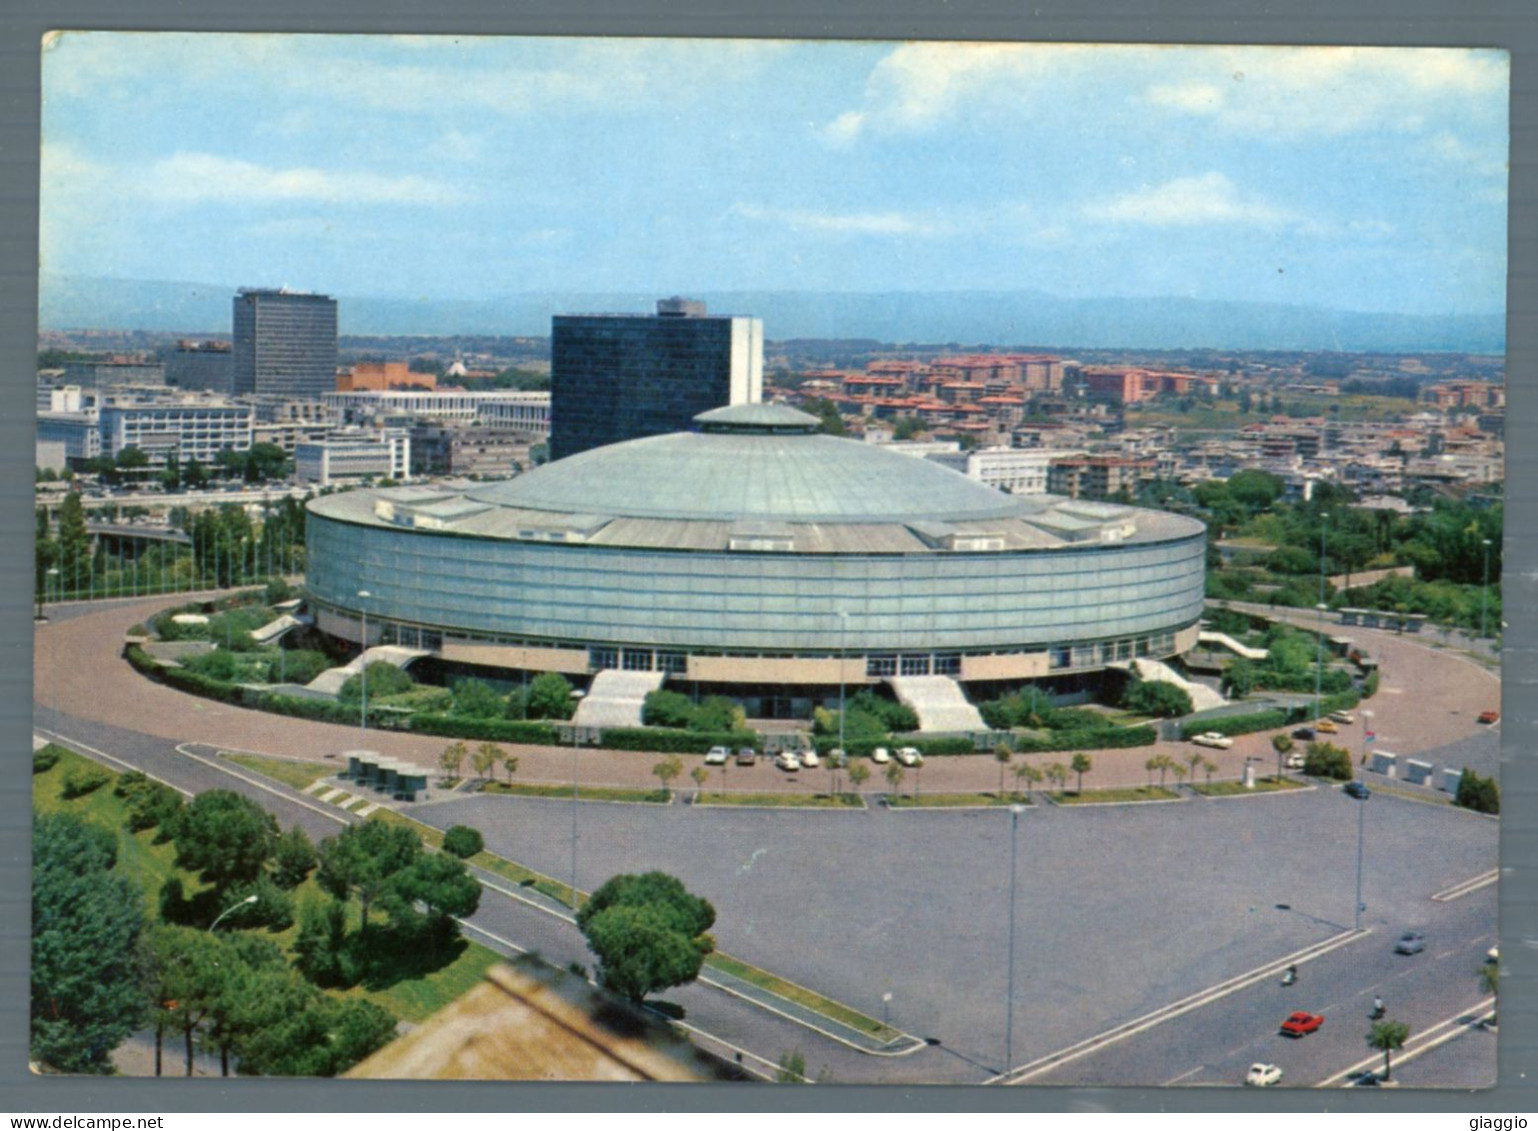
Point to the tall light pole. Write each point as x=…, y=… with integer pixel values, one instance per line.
x=1484, y=591
x=1009, y=994
x=52, y=582
x=250, y=899
x=843, y=657
x=1366, y=730
x=363, y=595
x=1319, y=659
x=1361, y=817
x=575, y=695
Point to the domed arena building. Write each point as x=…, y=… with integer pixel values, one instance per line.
x=760, y=559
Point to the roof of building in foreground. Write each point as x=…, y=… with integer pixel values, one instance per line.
x=758, y=477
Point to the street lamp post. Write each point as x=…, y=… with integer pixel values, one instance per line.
x=1009, y=994
x=575, y=695
x=243, y=903
x=886, y=1009
x=843, y=657
x=1361, y=817
x=52, y=583
x=363, y=595
x=1319, y=659
x=1484, y=591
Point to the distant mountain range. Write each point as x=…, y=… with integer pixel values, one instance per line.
x=967, y=318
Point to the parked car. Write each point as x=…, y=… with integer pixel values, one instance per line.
x=1493, y=954
x=880, y=755
x=1301, y=1024
x=787, y=761
x=810, y=760
x=1263, y=1075
x=1356, y=789
x=1214, y=739
x=1343, y=716
x=717, y=756
x=837, y=757
x=909, y=755
x=1304, y=734
x=746, y=756
x=1411, y=942
x=1325, y=726
x=1489, y=716
x=1294, y=760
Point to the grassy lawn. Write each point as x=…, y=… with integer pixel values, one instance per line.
x=149, y=865
x=290, y=772
x=584, y=793
x=784, y=800
x=954, y=800
x=1100, y=796
x=1235, y=789
x=801, y=995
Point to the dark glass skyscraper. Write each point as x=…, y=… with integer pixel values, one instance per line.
x=285, y=343
x=619, y=377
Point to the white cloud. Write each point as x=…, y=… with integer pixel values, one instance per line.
x=194, y=177
x=1470, y=157
x=845, y=223
x=1187, y=201
x=1190, y=97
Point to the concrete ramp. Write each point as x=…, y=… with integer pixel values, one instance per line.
x=938, y=701
x=1223, y=640
x=330, y=681
x=615, y=698
x=275, y=630
x=1203, y=698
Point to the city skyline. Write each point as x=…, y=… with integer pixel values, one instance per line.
x=442, y=168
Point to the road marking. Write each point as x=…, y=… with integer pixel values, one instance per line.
x=1457, y=891
x=292, y=798
x=1173, y=1010
x=1182, y=1076
x=82, y=748
x=1455, y=1026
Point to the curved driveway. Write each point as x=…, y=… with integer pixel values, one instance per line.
x=1429, y=697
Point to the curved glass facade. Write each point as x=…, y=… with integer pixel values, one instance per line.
x=765, y=603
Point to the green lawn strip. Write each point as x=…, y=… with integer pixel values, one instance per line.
x=953, y=800
x=584, y=792
x=801, y=996
x=783, y=800
x=1236, y=789
x=1101, y=796
x=416, y=999
x=1415, y=795
x=296, y=774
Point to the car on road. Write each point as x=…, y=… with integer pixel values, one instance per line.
x=717, y=756
x=1301, y=1024
x=880, y=755
x=746, y=756
x=1493, y=954
x=1325, y=726
x=1304, y=734
x=787, y=761
x=1368, y=1079
x=810, y=760
x=1342, y=717
x=1214, y=739
x=909, y=755
x=1411, y=942
x=1356, y=789
x=1489, y=716
x=1263, y=1075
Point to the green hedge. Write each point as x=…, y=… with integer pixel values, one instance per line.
x=661, y=741
x=1100, y=738
x=483, y=730
x=1246, y=724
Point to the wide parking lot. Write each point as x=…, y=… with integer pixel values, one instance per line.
x=1121, y=910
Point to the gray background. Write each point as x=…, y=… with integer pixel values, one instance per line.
x=1510, y=24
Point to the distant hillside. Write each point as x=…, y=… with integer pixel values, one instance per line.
x=968, y=318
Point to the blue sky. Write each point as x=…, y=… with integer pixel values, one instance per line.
x=443, y=168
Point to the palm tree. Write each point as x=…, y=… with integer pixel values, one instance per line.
x=859, y=773
x=699, y=774
x=666, y=770
x=1081, y=765
x=1027, y=773
x=1388, y=1036
x=453, y=757
x=1210, y=767
x=487, y=755
x=1151, y=765
x=1282, y=744
x=510, y=764
x=1194, y=760
x=1058, y=773
x=1490, y=983
x=1002, y=754
x=894, y=777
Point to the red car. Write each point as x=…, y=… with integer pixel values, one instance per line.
x=1489, y=716
x=1299, y=1024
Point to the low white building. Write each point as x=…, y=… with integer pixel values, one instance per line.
x=353, y=455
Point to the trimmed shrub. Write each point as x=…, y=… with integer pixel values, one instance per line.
x=941, y=746
x=487, y=730
x=83, y=780
x=463, y=841
x=301, y=665
x=1244, y=724
x=1482, y=795
x=1325, y=760
x=662, y=741
x=384, y=679
x=44, y=760
x=475, y=699
x=1157, y=698
x=663, y=708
